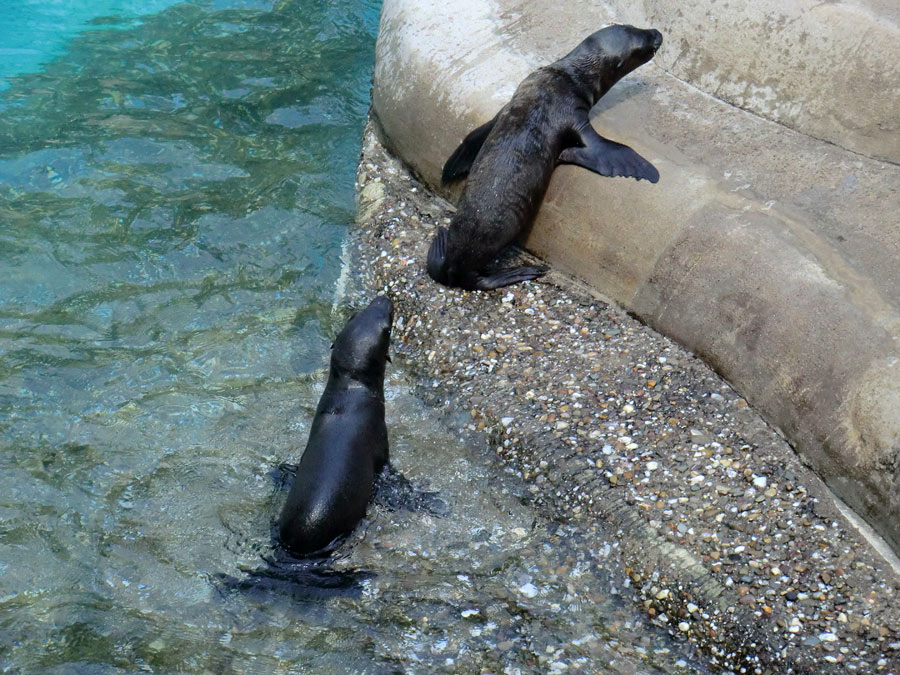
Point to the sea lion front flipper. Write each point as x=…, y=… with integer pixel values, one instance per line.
x=608, y=158
x=500, y=278
x=459, y=163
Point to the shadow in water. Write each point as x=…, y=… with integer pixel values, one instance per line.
x=305, y=579
x=313, y=577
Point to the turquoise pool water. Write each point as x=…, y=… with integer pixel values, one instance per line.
x=33, y=32
x=175, y=190
x=176, y=185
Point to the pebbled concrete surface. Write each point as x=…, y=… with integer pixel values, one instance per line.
x=724, y=538
x=770, y=253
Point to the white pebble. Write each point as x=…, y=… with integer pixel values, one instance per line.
x=529, y=590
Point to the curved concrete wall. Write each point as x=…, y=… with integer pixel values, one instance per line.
x=828, y=69
x=770, y=253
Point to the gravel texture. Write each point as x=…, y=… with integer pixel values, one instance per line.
x=726, y=538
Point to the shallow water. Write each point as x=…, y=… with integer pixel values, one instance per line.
x=175, y=188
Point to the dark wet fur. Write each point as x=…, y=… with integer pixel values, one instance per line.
x=510, y=159
x=348, y=441
x=393, y=491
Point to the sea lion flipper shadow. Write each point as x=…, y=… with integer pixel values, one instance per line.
x=608, y=158
x=305, y=580
x=500, y=278
x=460, y=162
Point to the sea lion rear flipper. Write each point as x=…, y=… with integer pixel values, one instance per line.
x=459, y=163
x=513, y=275
x=608, y=158
x=437, y=253
x=396, y=492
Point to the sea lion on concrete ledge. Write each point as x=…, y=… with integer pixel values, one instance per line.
x=348, y=442
x=510, y=159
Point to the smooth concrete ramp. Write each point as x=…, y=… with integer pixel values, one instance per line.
x=771, y=244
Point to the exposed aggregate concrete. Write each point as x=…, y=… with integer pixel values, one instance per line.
x=726, y=538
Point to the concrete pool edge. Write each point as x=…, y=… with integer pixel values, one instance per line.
x=700, y=538
x=782, y=288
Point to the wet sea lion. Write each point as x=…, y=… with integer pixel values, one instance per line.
x=510, y=159
x=348, y=441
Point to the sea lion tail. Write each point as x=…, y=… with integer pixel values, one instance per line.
x=437, y=256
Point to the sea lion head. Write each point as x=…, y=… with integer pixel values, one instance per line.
x=605, y=57
x=361, y=349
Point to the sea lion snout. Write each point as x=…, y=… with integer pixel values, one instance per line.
x=361, y=349
x=656, y=38
x=383, y=306
x=376, y=318
x=379, y=316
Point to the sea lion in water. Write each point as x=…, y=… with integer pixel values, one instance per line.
x=348, y=442
x=510, y=159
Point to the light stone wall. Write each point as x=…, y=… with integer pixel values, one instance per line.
x=771, y=253
x=827, y=69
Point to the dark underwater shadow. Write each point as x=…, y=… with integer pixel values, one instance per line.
x=312, y=577
x=304, y=579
